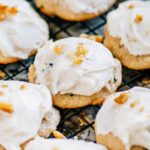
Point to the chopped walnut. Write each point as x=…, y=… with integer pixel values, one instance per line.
x=141, y=109
x=13, y=11
x=4, y=85
x=23, y=87
x=6, y=107
x=122, y=98
x=58, y=135
x=58, y=49
x=135, y=103
x=131, y=6
x=78, y=60
x=2, y=74
x=1, y=93
x=138, y=18
x=81, y=50
x=6, y=11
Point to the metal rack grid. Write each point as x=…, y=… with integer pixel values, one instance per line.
x=77, y=122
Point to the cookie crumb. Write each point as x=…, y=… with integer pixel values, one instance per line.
x=135, y=103
x=58, y=49
x=97, y=38
x=122, y=98
x=138, y=18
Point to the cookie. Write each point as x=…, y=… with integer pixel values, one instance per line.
x=123, y=121
x=26, y=111
x=55, y=144
x=79, y=10
x=77, y=71
x=22, y=31
x=127, y=34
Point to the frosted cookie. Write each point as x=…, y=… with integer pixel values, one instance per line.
x=25, y=112
x=56, y=144
x=128, y=34
x=78, y=10
x=77, y=71
x=123, y=122
x=22, y=31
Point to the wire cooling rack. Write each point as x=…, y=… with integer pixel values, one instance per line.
x=76, y=123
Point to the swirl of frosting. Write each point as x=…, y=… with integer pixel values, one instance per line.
x=87, y=6
x=131, y=23
x=126, y=115
x=23, y=106
x=76, y=65
x=59, y=144
x=21, y=29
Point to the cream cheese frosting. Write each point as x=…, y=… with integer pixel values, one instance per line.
x=59, y=144
x=58, y=72
x=129, y=121
x=22, y=33
x=30, y=104
x=87, y=6
x=131, y=23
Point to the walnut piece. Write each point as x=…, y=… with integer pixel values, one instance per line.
x=58, y=49
x=78, y=60
x=1, y=93
x=7, y=12
x=81, y=50
x=122, y=98
x=4, y=85
x=6, y=107
x=138, y=18
x=135, y=103
x=23, y=87
x=131, y=6
x=58, y=134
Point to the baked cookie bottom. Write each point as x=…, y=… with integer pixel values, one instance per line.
x=53, y=9
x=7, y=60
x=121, y=52
x=75, y=101
x=113, y=143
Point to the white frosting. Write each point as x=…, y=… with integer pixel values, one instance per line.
x=130, y=124
x=22, y=33
x=87, y=6
x=96, y=71
x=135, y=36
x=30, y=106
x=59, y=144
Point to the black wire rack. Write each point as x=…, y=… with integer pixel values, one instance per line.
x=76, y=123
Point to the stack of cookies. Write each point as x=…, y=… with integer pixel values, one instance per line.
x=74, y=72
